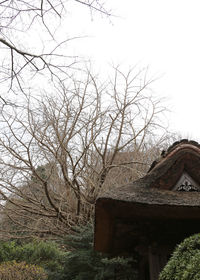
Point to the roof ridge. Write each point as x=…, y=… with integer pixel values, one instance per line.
x=182, y=141
x=171, y=149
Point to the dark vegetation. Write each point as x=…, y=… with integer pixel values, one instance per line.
x=185, y=261
x=71, y=259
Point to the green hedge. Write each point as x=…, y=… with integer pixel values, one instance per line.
x=185, y=261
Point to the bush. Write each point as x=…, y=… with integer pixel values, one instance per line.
x=83, y=263
x=45, y=254
x=185, y=261
x=7, y=251
x=80, y=262
x=21, y=271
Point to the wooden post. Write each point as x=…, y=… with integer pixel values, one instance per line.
x=157, y=261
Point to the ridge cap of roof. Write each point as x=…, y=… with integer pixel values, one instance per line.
x=175, y=148
x=182, y=141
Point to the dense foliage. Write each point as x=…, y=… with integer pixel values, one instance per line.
x=82, y=262
x=45, y=254
x=21, y=271
x=74, y=259
x=185, y=261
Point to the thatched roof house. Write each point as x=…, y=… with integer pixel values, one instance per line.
x=151, y=215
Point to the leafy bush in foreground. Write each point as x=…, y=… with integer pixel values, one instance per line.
x=185, y=261
x=45, y=254
x=21, y=271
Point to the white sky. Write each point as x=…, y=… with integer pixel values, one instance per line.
x=163, y=35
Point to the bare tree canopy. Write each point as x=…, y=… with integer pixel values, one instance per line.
x=57, y=154
x=30, y=47
x=69, y=136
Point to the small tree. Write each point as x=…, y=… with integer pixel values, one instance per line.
x=185, y=261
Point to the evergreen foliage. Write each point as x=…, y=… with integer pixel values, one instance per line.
x=83, y=263
x=185, y=261
x=77, y=260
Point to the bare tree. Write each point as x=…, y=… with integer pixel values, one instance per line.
x=30, y=47
x=79, y=135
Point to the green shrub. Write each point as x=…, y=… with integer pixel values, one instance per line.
x=45, y=254
x=185, y=261
x=83, y=263
x=80, y=262
x=21, y=271
x=8, y=251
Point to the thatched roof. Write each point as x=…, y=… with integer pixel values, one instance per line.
x=136, y=193
x=157, y=185
x=152, y=196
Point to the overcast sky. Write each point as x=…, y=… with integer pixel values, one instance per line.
x=163, y=35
